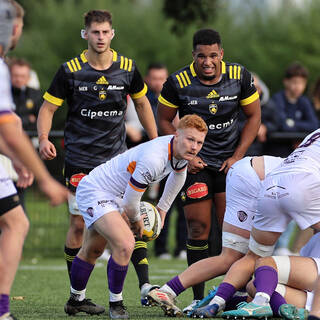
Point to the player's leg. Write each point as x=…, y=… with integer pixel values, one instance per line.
x=315, y=308
x=14, y=227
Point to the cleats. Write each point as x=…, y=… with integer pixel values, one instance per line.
x=290, y=312
x=145, y=289
x=249, y=310
x=165, y=301
x=117, y=310
x=8, y=316
x=191, y=306
x=209, y=311
x=205, y=301
x=73, y=307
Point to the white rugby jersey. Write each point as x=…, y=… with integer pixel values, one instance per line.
x=305, y=158
x=6, y=101
x=129, y=174
x=312, y=247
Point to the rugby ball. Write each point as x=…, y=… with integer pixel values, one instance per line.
x=151, y=220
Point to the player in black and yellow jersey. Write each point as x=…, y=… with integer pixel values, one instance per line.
x=215, y=90
x=95, y=85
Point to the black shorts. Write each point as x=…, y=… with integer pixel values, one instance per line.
x=73, y=175
x=202, y=186
x=9, y=203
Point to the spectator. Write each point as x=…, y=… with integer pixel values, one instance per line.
x=294, y=110
x=316, y=98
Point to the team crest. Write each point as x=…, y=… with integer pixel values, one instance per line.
x=242, y=216
x=102, y=95
x=213, y=108
x=90, y=211
x=183, y=196
x=29, y=104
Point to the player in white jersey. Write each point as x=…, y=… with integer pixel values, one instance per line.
x=291, y=191
x=15, y=144
x=242, y=188
x=117, y=186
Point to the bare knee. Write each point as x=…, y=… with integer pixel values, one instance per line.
x=266, y=261
x=15, y=221
x=197, y=229
x=77, y=225
x=123, y=250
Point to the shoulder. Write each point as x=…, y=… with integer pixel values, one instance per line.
x=234, y=70
x=75, y=64
x=124, y=63
x=183, y=77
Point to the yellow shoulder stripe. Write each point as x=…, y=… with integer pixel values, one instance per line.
x=56, y=101
x=139, y=94
x=250, y=99
x=125, y=63
x=234, y=72
x=74, y=64
x=165, y=102
x=183, y=79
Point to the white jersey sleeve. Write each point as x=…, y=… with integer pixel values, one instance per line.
x=6, y=102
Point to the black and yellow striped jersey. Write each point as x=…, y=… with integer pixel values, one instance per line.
x=97, y=102
x=217, y=104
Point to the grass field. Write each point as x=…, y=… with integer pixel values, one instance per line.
x=41, y=289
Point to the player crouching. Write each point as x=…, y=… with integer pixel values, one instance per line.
x=116, y=188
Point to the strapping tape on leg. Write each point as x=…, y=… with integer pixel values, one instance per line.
x=260, y=249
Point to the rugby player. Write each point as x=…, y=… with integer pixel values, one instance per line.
x=215, y=90
x=289, y=192
x=14, y=224
x=117, y=186
x=242, y=188
x=95, y=85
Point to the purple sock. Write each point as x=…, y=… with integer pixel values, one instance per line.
x=80, y=273
x=234, y=301
x=4, y=304
x=275, y=302
x=266, y=280
x=116, y=276
x=225, y=291
x=176, y=285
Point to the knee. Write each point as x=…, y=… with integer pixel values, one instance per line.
x=77, y=225
x=125, y=249
x=266, y=261
x=197, y=229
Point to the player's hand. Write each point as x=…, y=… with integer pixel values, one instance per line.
x=54, y=190
x=162, y=215
x=25, y=176
x=262, y=133
x=195, y=165
x=137, y=228
x=47, y=150
x=227, y=164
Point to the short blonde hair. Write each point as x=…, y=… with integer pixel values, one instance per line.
x=193, y=121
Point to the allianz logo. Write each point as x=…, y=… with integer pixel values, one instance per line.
x=226, y=98
x=100, y=114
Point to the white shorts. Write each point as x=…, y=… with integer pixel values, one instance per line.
x=242, y=189
x=7, y=187
x=94, y=203
x=310, y=294
x=286, y=197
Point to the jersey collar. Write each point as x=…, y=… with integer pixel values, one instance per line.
x=174, y=162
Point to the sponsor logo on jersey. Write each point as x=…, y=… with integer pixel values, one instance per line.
x=100, y=114
x=76, y=178
x=183, y=196
x=103, y=203
x=83, y=88
x=213, y=94
x=90, y=211
x=197, y=190
x=213, y=108
x=219, y=126
x=227, y=98
x=147, y=176
x=114, y=87
x=102, y=80
x=242, y=216
x=193, y=103
x=102, y=95
x=29, y=104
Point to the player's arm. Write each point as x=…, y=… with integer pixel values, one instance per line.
x=20, y=145
x=172, y=187
x=46, y=148
x=145, y=115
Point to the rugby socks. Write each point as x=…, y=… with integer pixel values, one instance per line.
x=140, y=262
x=174, y=287
x=224, y=293
x=4, y=304
x=80, y=273
x=266, y=280
x=276, y=301
x=239, y=296
x=69, y=255
x=197, y=250
x=116, y=275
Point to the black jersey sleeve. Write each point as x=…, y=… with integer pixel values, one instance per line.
x=248, y=90
x=169, y=95
x=137, y=88
x=57, y=91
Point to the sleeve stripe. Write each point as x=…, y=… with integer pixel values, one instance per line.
x=57, y=101
x=69, y=66
x=179, y=80
x=121, y=62
x=138, y=184
x=183, y=79
x=74, y=65
x=77, y=63
x=239, y=72
x=7, y=117
x=139, y=94
x=135, y=188
x=130, y=65
x=125, y=63
x=165, y=102
x=250, y=99
x=187, y=77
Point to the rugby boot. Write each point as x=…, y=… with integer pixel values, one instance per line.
x=74, y=306
x=249, y=310
x=208, y=311
x=145, y=289
x=205, y=301
x=291, y=312
x=164, y=300
x=117, y=310
x=8, y=316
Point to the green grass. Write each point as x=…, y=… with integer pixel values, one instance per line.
x=44, y=286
